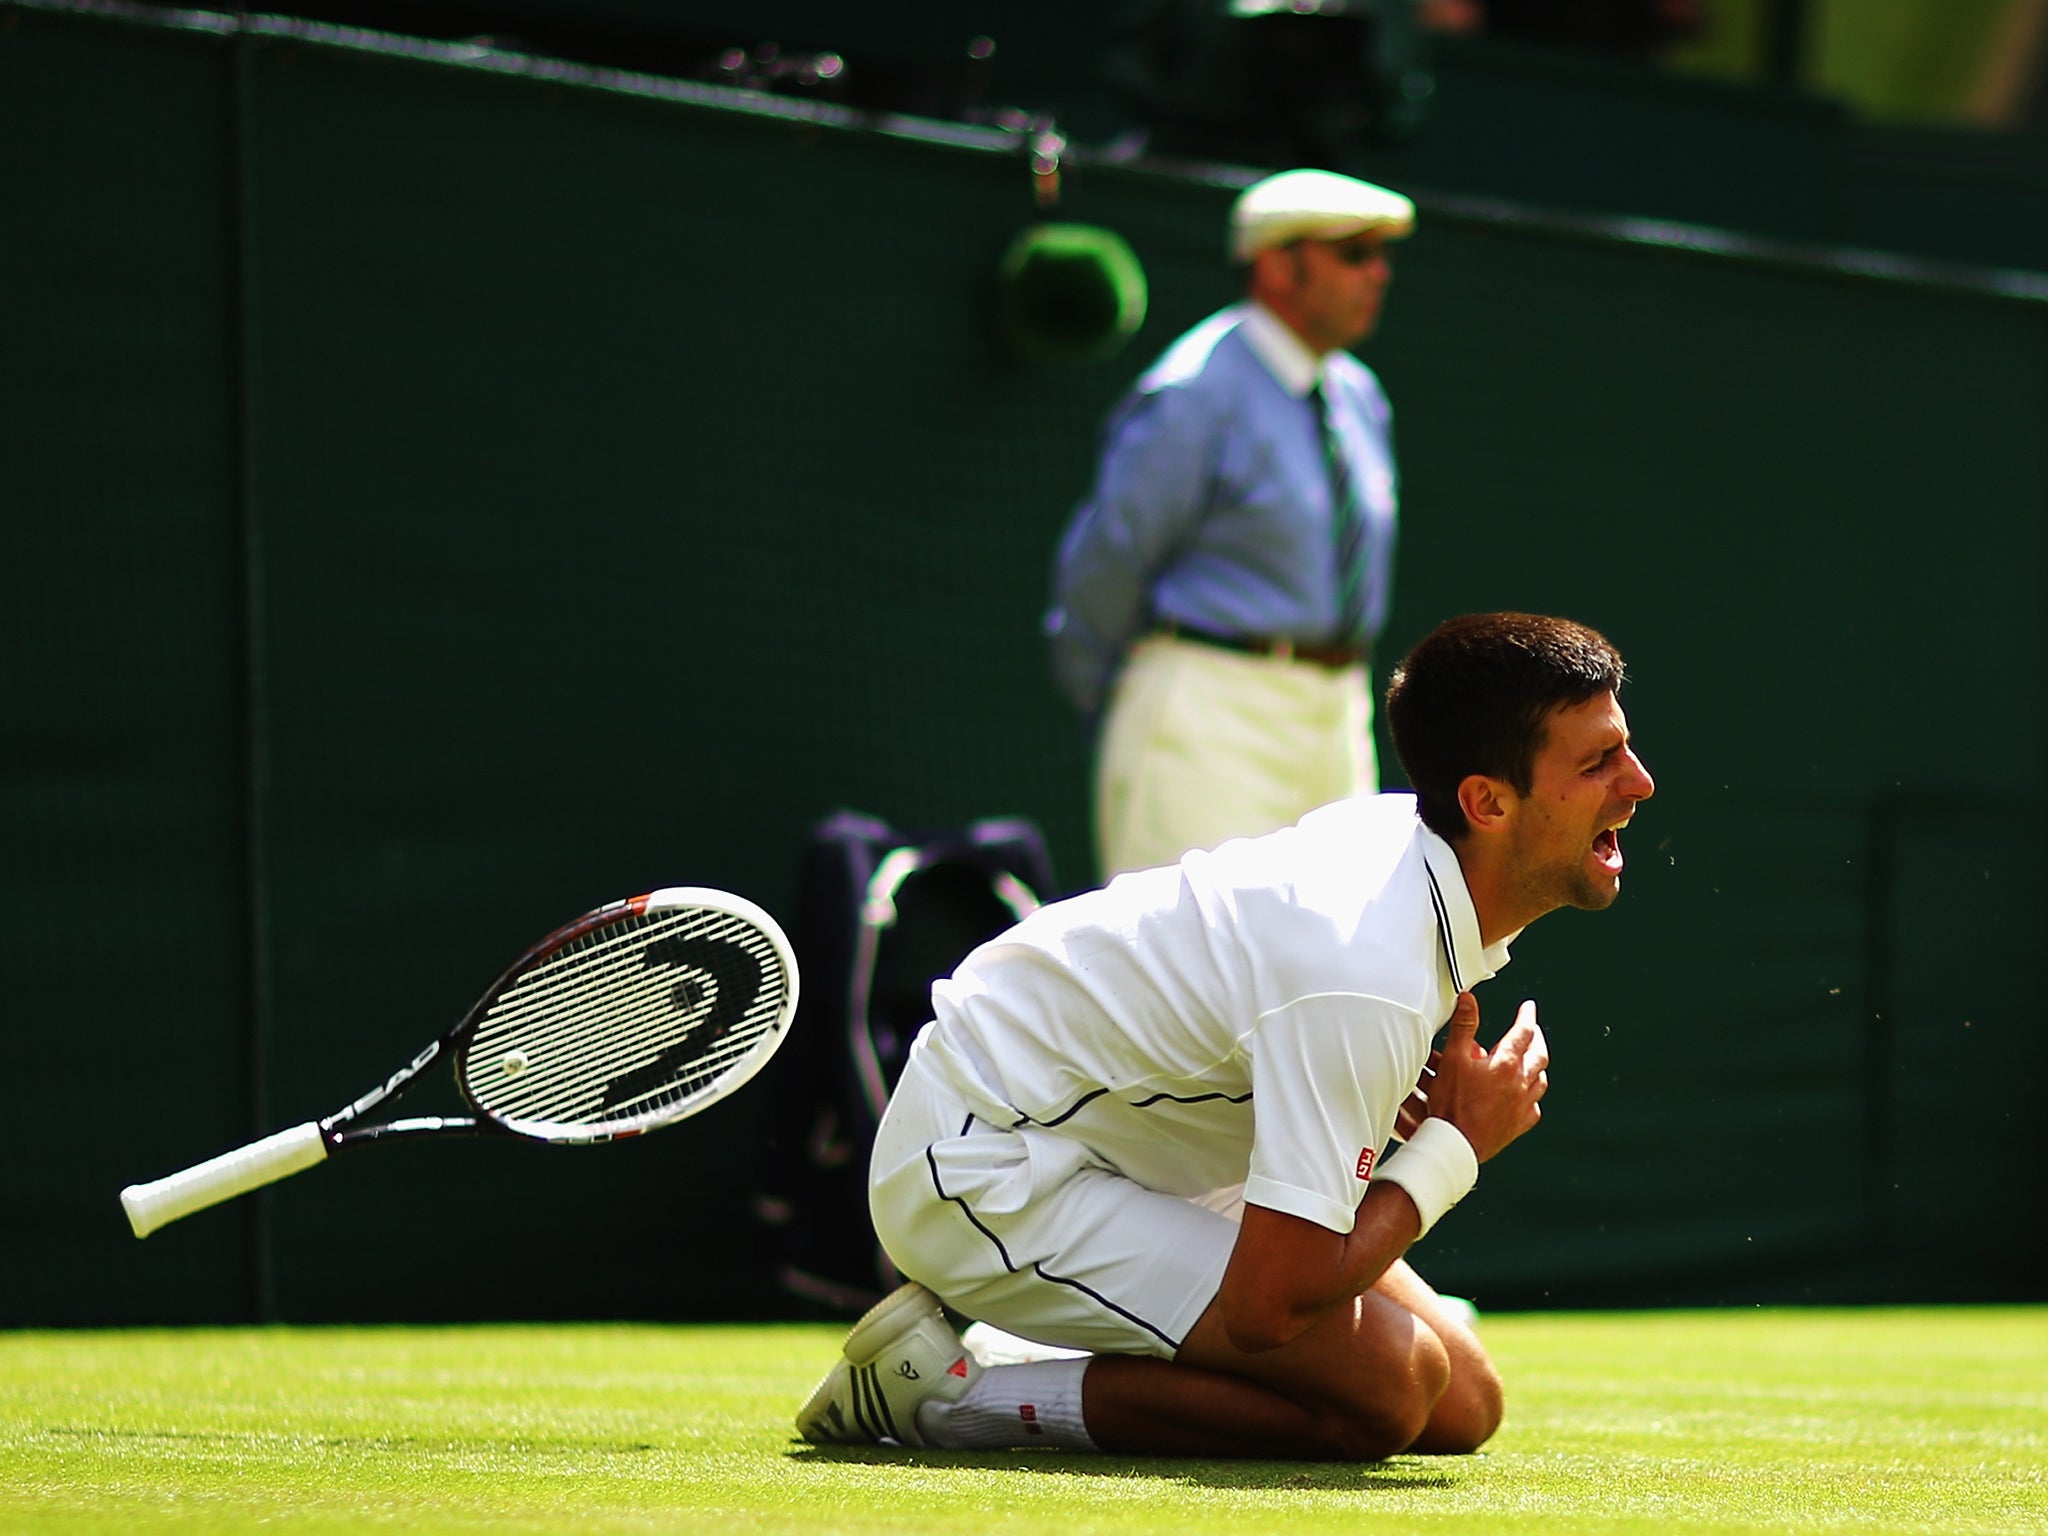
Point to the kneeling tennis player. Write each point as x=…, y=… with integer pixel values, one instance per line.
x=1185, y=1128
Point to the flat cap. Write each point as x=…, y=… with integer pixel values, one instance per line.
x=1313, y=205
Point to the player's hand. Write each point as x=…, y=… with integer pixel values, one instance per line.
x=1490, y=1096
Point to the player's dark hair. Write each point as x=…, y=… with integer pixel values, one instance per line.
x=1475, y=696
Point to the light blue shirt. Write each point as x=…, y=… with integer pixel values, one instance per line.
x=1212, y=506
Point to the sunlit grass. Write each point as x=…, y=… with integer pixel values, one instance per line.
x=1827, y=1421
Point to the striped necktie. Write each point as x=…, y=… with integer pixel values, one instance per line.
x=1347, y=525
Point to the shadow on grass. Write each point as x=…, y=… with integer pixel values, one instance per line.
x=1402, y=1473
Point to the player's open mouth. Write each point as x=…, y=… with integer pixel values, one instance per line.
x=1607, y=850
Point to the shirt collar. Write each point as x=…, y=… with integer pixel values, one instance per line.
x=1470, y=961
x=1285, y=355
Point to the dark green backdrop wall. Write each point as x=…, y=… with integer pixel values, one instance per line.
x=437, y=501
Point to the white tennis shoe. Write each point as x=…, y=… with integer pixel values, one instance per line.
x=900, y=1356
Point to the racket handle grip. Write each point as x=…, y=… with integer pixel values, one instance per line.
x=153, y=1205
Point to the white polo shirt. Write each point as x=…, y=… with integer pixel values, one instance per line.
x=1255, y=1015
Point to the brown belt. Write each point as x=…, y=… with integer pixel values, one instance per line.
x=1335, y=657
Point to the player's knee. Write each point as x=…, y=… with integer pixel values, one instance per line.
x=1468, y=1413
x=1392, y=1409
x=1374, y=1431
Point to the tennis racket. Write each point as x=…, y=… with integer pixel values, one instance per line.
x=632, y=1017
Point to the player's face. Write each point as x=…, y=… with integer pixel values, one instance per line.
x=1585, y=784
x=1340, y=287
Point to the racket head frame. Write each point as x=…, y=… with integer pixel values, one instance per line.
x=777, y=1003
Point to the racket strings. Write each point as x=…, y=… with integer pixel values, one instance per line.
x=627, y=1023
x=571, y=1044
x=597, y=1004
x=617, y=976
x=599, y=956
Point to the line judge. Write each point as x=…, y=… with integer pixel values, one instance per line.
x=1217, y=594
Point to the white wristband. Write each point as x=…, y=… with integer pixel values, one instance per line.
x=1437, y=1167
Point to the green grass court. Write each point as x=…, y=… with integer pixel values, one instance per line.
x=1824, y=1421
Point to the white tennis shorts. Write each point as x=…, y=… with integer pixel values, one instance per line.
x=1027, y=1230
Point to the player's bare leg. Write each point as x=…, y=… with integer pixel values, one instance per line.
x=1395, y=1371
x=1468, y=1413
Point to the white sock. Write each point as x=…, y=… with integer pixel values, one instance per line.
x=1010, y=1406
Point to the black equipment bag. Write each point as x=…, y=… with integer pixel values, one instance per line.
x=881, y=914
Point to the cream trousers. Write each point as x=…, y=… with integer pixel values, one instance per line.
x=1202, y=744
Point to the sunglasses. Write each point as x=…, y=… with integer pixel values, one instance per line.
x=1360, y=254
x=1352, y=253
